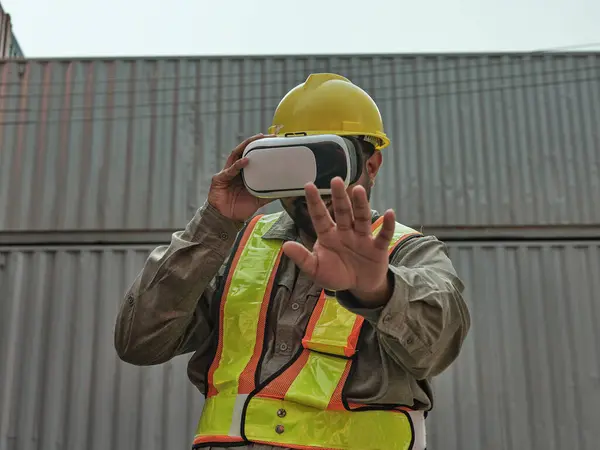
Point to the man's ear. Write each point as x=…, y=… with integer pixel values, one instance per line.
x=373, y=164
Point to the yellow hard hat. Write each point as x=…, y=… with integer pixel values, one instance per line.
x=328, y=103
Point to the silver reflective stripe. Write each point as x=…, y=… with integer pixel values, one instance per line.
x=418, y=420
x=236, y=418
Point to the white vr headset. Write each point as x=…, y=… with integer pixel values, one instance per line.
x=279, y=167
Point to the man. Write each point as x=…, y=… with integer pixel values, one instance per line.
x=318, y=327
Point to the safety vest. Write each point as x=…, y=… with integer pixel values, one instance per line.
x=303, y=405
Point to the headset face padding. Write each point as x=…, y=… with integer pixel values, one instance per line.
x=356, y=158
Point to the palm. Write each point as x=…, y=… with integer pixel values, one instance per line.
x=345, y=256
x=242, y=204
x=342, y=261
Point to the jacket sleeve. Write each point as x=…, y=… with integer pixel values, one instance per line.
x=425, y=322
x=167, y=310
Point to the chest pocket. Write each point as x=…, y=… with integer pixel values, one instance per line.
x=292, y=303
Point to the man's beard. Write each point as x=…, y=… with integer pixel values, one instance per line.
x=301, y=217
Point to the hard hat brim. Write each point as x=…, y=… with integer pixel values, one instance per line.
x=382, y=139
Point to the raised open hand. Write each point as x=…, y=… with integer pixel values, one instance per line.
x=345, y=256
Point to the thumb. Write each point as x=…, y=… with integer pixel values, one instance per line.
x=305, y=260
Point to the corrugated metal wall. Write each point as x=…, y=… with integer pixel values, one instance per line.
x=479, y=141
x=131, y=144
x=528, y=377
x=63, y=386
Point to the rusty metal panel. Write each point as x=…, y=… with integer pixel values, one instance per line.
x=528, y=376
x=477, y=140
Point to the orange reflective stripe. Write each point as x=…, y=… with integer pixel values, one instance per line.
x=314, y=318
x=377, y=223
x=220, y=439
x=352, y=342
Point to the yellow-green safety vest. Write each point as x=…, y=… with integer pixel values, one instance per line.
x=301, y=406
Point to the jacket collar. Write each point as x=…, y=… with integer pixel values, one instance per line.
x=284, y=228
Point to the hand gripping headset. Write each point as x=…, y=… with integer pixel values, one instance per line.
x=280, y=166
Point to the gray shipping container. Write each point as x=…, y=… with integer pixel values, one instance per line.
x=131, y=144
x=528, y=376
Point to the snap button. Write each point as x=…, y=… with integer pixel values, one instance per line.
x=279, y=429
x=281, y=412
x=283, y=347
x=224, y=236
x=130, y=300
x=295, y=306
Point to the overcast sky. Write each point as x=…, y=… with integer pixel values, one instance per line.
x=206, y=27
